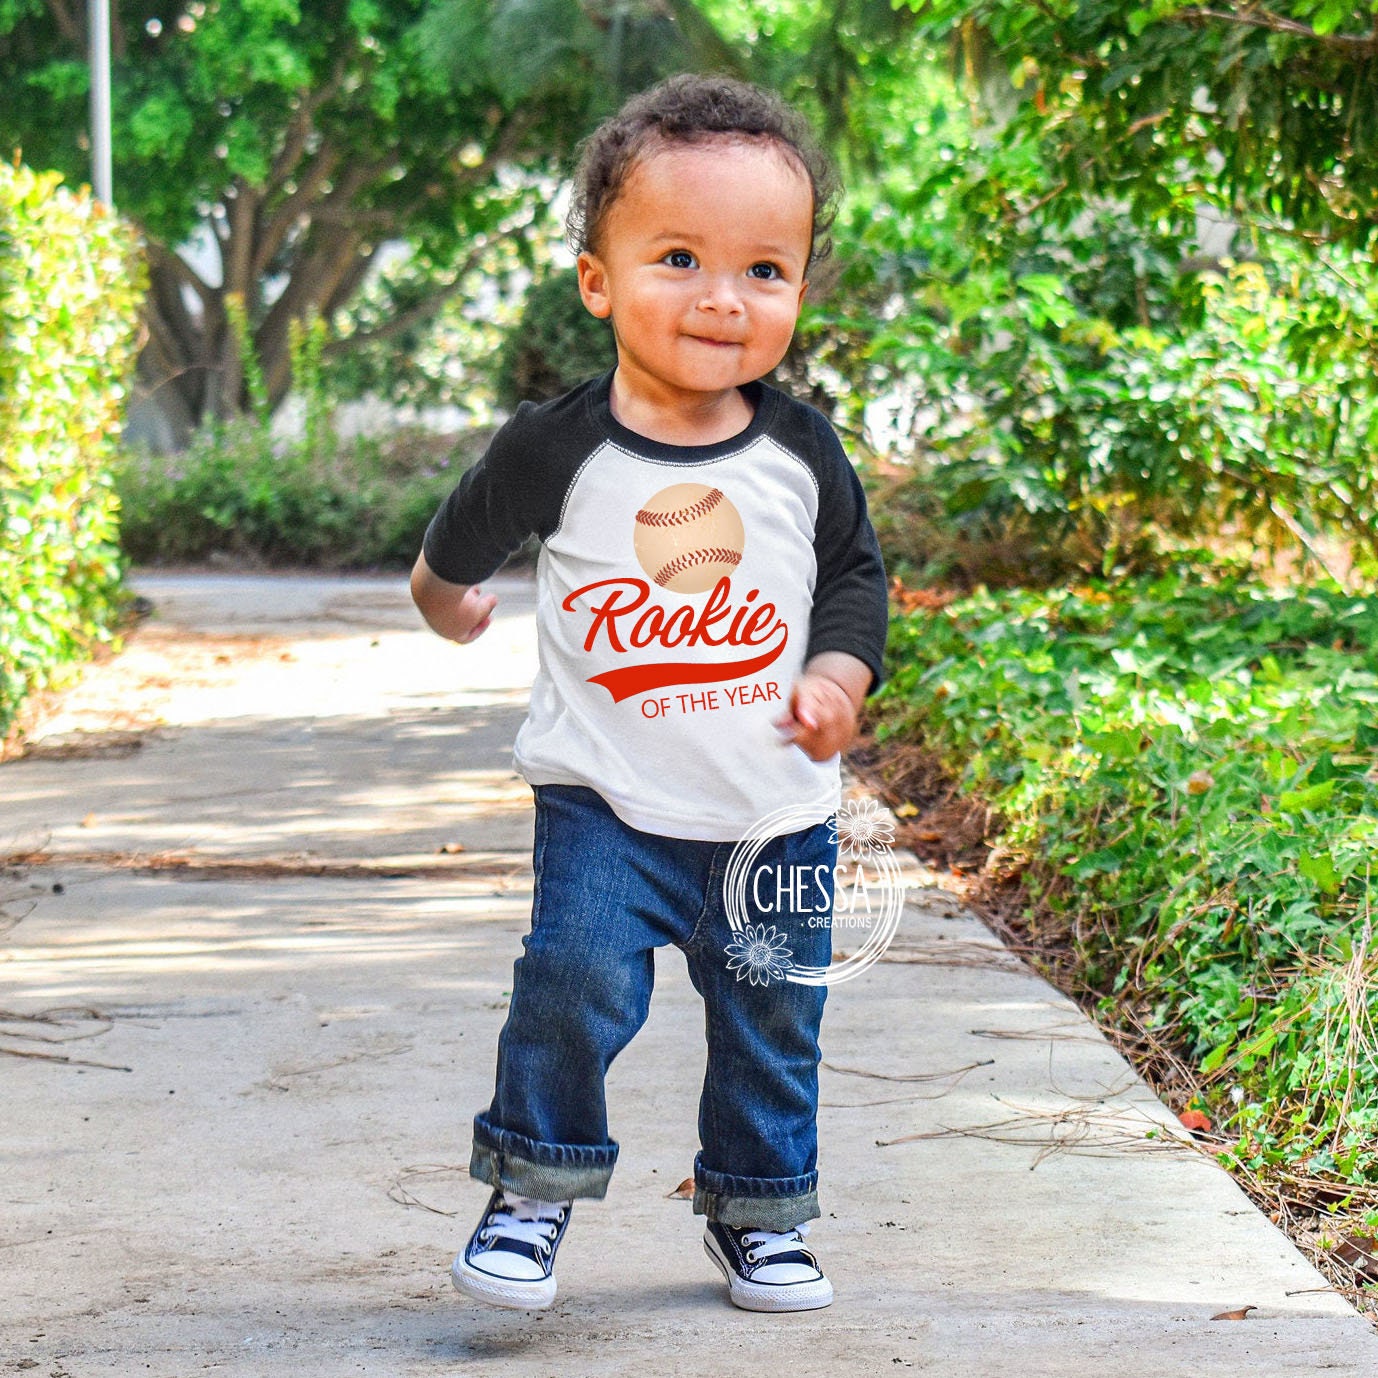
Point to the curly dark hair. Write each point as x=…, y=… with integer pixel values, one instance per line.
x=688, y=109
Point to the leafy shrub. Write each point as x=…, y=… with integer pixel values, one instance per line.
x=1191, y=775
x=323, y=502
x=555, y=344
x=69, y=293
x=1093, y=393
x=1114, y=462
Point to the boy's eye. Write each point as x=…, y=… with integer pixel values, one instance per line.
x=680, y=258
x=764, y=271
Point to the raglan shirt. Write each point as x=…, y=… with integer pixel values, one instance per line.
x=681, y=589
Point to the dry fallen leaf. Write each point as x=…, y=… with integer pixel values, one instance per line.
x=912, y=600
x=906, y=810
x=1195, y=1120
x=1360, y=1251
x=1237, y=1315
x=683, y=1192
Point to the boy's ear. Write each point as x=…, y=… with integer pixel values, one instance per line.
x=593, y=285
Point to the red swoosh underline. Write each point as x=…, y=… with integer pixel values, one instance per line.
x=627, y=680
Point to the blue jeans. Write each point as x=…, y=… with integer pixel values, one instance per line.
x=605, y=896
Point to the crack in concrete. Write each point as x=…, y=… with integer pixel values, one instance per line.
x=191, y=866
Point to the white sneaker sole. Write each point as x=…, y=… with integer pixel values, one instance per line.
x=509, y=1292
x=766, y=1296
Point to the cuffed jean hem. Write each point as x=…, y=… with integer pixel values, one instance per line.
x=763, y=1203
x=548, y=1172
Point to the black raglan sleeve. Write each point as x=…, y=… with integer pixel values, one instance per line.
x=850, y=597
x=490, y=513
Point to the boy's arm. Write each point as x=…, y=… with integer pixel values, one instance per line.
x=484, y=519
x=458, y=612
x=850, y=613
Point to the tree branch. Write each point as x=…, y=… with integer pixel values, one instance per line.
x=177, y=348
x=165, y=297
x=67, y=23
x=1019, y=212
x=164, y=260
x=349, y=283
x=119, y=48
x=299, y=130
x=284, y=215
x=428, y=308
x=1363, y=44
x=164, y=363
x=313, y=281
x=239, y=242
x=1144, y=121
x=1291, y=523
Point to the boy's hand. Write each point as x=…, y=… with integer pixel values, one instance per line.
x=458, y=612
x=823, y=705
x=473, y=614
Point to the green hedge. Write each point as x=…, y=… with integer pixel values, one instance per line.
x=70, y=285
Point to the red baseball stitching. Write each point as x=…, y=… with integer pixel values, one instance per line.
x=681, y=515
x=705, y=555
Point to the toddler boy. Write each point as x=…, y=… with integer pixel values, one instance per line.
x=711, y=612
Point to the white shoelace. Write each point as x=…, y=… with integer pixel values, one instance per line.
x=527, y=1219
x=762, y=1244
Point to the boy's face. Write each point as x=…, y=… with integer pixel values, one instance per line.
x=700, y=264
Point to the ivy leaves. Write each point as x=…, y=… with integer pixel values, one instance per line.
x=1195, y=766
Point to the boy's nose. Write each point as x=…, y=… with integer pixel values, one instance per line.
x=721, y=297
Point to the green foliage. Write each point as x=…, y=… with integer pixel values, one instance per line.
x=1058, y=391
x=1189, y=771
x=1096, y=450
x=219, y=101
x=1270, y=111
x=839, y=60
x=307, y=344
x=237, y=317
x=321, y=502
x=392, y=341
x=577, y=61
x=307, y=136
x=554, y=345
x=310, y=500
x=69, y=294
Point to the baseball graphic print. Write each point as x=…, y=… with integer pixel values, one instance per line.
x=689, y=536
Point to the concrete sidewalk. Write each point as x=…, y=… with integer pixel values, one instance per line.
x=277, y=874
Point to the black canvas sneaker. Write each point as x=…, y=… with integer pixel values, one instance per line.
x=509, y=1261
x=766, y=1270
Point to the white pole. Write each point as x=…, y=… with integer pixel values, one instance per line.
x=99, y=13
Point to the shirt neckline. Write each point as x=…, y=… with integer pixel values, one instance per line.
x=760, y=397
